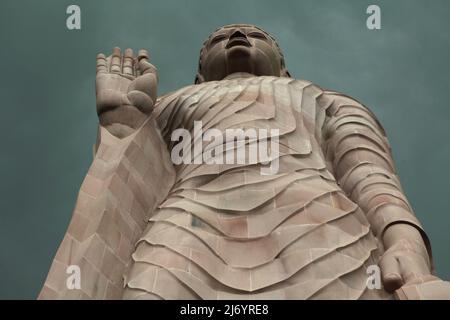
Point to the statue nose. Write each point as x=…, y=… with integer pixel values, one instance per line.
x=237, y=34
x=238, y=38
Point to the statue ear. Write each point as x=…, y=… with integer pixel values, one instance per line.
x=199, y=78
x=285, y=73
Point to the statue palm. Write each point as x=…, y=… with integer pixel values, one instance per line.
x=126, y=89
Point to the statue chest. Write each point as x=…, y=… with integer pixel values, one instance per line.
x=259, y=103
x=224, y=124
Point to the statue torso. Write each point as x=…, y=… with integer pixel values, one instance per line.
x=240, y=232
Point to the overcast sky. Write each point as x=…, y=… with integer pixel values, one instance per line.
x=48, y=117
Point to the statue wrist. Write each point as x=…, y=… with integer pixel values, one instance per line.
x=401, y=232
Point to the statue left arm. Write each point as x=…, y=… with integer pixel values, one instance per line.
x=359, y=154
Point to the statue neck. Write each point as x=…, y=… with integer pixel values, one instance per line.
x=236, y=75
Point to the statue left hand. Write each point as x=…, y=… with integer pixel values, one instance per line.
x=406, y=258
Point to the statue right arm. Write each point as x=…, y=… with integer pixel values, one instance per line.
x=130, y=175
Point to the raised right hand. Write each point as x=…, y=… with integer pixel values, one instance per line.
x=126, y=90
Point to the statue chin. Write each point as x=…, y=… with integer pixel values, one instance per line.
x=239, y=60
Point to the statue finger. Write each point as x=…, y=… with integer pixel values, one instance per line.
x=128, y=63
x=390, y=273
x=102, y=66
x=143, y=63
x=116, y=61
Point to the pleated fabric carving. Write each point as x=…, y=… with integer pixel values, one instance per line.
x=227, y=232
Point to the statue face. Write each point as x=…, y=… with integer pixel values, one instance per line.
x=240, y=48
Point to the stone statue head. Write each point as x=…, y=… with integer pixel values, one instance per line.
x=240, y=48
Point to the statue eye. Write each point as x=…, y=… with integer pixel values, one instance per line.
x=217, y=39
x=257, y=35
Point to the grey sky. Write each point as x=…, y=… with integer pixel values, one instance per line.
x=48, y=101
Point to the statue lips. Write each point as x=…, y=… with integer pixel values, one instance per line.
x=238, y=41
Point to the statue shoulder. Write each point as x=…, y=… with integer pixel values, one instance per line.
x=325, y=96
x=307, y=85
x=331, y=103
x=340, y=98
x=335, y=103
